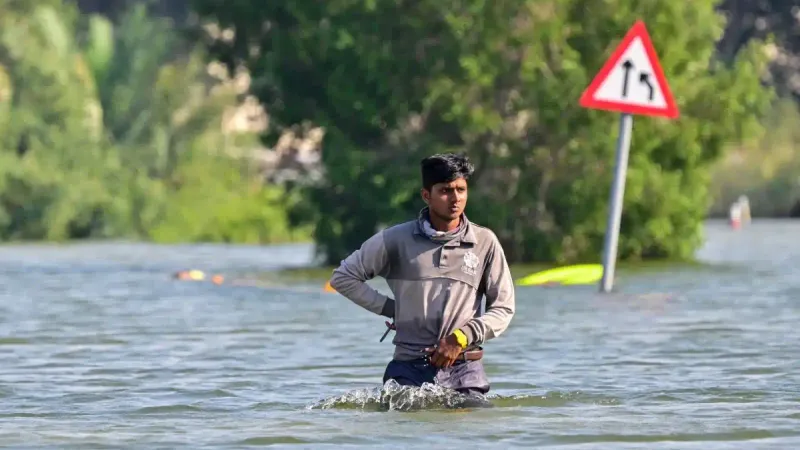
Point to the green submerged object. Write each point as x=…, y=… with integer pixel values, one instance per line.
x=566, y=275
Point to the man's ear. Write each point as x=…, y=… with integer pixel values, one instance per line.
x=426, y=195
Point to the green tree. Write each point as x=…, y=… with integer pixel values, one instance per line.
x=53, y=160
x=748, y=20
x=766, y=169
x=112, y=129
x=395, y=80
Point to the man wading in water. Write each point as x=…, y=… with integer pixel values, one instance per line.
x=438, y=268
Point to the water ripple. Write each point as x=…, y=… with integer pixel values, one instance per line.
x=99, y=348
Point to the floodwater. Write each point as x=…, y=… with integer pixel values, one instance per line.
x=99, y=348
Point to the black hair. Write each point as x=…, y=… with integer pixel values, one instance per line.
x=444, y=168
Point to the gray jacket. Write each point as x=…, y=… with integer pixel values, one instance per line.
x=437, y=286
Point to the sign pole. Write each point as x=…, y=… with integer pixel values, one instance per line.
x=631, y=81
x=615, y=202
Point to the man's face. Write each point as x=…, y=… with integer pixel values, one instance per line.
x=447, y=200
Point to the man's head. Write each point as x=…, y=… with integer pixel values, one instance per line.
x=444, y=184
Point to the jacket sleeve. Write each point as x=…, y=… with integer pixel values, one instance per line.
x=349, y=279
x=500, y=300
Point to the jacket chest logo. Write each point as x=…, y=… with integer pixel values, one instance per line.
x=471, y=263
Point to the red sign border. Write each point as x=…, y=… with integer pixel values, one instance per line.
x=587, y=99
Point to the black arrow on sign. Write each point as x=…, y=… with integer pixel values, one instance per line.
x=645, y=78
x=627, y=65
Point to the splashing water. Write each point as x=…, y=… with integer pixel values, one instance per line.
x=393, y=396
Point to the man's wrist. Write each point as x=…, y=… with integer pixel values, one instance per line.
x=388, y=308
x=461, y=338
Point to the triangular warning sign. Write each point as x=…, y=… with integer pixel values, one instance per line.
x=632, y=81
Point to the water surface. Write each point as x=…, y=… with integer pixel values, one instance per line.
x=99, y=348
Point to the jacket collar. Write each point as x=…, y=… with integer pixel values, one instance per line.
x=464, y=232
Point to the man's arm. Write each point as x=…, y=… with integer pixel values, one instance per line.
x=500, y=299
x=349, y=279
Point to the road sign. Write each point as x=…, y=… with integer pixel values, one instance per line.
x=632, y=80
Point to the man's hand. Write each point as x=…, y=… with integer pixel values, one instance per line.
x=446, y=352
x=389, y=327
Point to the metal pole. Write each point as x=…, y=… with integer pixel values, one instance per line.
x=615, y=202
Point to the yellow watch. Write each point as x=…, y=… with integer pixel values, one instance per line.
x=461, y=338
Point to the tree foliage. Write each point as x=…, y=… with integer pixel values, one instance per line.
x=106, y=128
x=749, y=20
x=392, y=81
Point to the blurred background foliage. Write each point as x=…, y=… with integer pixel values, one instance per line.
x=204, y=120
x=115, y=129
